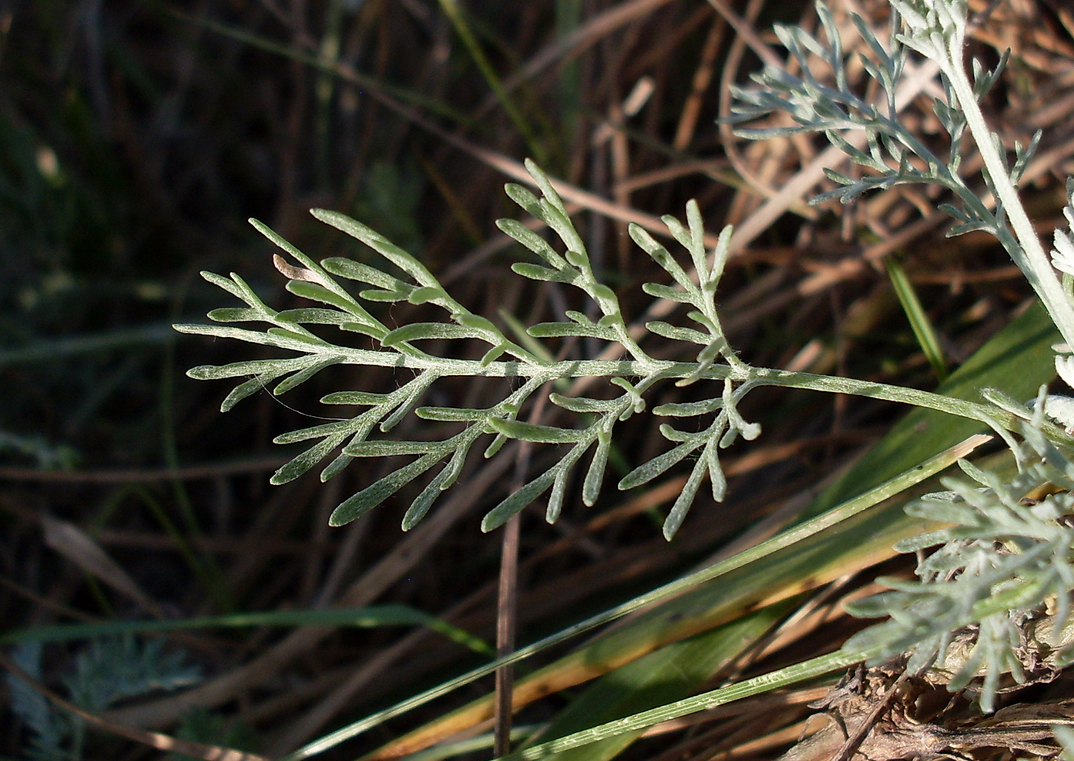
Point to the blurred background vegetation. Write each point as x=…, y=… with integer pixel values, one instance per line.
x=136, y=138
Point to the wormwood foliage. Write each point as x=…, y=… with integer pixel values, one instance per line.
x=348, y=310
x=995, y=591
x=820, y=99
x=1006, y=555
x=1007, y=558
x=1006, y=562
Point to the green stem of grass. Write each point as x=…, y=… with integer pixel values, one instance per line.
x=758, y=685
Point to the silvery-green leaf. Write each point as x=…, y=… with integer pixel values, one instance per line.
x=241, y=288
x=373, y=331
x=579, y=317
x=577, y=258
x=397, y=256
x=606, y=299
x=303, y=462
x=984, y=80
x=545, y=184
x=689, y=409
x=423, y=331
x=337, y=466
x=371, y=496
x=315, y=292
x=930, y=539
x=427, y=294
x=672, y=434
x=273, y=368
x=518, y=501
x=561, y=225
x=477, y=322
x=1022, y=157
x=304, y=375
x=222, y=282
x=250, y=336
x=685, y=499
x=658, y=465
x=339, y=428
x=393, y=448
x=314, y=316
x=242, y=391
x=385, y=297
x=555, y=498
x=838, y=177
x=532, y=240
x=582, y=405
x=285, y=245
x=656, y=290
x=969, y=227
x=526, y=200
x=541, y=434
x=717, y=479
x=720, y=255
x=875, y=606
x=566, y=329
x=537, y=272
x=459, y=446
x=595, y=475
x=291, y=335
x=236, y=314
x=363, y=273
x=407, y=398
x=659, y=253
x=451, y=414
x=956, y=212
x=676, y=333
x=497, y=444
x=424, y=501
x=495, y=353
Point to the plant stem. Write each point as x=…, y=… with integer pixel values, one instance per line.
x=981, y=412
x=505, y=634
x=1024, y=247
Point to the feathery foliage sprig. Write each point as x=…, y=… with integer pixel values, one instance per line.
x=1002, y=563
x=399, y=348
x=716, y=422
x=1006, y=559
x=821, y=100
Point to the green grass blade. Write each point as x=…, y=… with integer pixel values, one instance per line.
x=373, y=616
x=656, y=679
x=521, y=121
x=919, y=320
x=785, y=677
